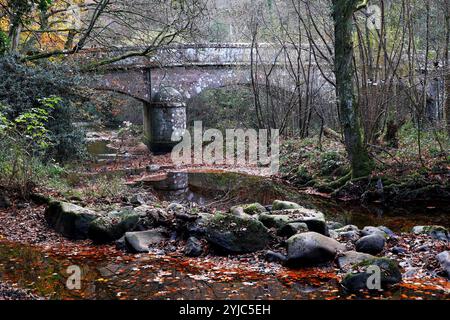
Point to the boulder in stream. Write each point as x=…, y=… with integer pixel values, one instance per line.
x=254, y=208
x=311, y=248
x=315, y=220
x=350, y=258
x=236, y=234
x=141, y=241
x=366, y=231
x=70, y=220
x=285, y=205
x=371, y=244
x=113, y=225
x=362, y=275
x=435, y=232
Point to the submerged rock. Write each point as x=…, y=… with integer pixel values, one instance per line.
x=361, y=276
x=70, y=220
x=350, y=258
x=372, y=244
x=435, y=232
x=311, y=248
x=193, y=247
x=444, y=260
x=234, y=234
x=141, y=241
x=285, y=205
x=113, y=226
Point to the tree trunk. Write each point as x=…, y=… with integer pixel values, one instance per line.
x=344, y=71
x=447, y=67
x=14, y=36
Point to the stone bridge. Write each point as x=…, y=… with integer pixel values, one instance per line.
x=186, y=71
x=189, y=68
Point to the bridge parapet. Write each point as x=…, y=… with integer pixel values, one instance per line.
x=211, y=54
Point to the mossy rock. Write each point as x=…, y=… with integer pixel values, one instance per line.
x=70, y=220
x=311, y=248
x=435, y=232
x=315, y=220
x=254, y=208
x=235, y=234
x=285, y=205
x=358, y=279
x=113, y=226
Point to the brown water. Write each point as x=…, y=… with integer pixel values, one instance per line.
x=114, y=275
x=117, y=276
x=224, y=189
x=100, y=150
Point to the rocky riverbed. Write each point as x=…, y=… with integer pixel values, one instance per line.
x=283, y=232
x=205, y=230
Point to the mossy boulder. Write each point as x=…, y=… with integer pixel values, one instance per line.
x=348, y=259
x=254, y=208
x=113, y=225
x=70, y=220
x=311, y=248
x=235, y=234
x=435, y=232
x=315, y=220
x=358, y=278
x=285, y=205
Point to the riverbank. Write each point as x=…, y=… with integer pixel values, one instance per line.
x=252, y=272
x=166, y=200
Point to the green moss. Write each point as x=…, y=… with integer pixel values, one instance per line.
x=254, y=208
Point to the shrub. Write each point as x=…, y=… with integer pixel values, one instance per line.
x=330, y=161
x=26, y=89
x=22, y=141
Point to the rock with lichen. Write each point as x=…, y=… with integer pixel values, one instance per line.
x=236, y=234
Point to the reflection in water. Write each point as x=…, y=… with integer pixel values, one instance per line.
x=225, y=189
x=152, y=277
x=100, y=150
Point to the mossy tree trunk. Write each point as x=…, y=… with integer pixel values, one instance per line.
x=344, y=71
